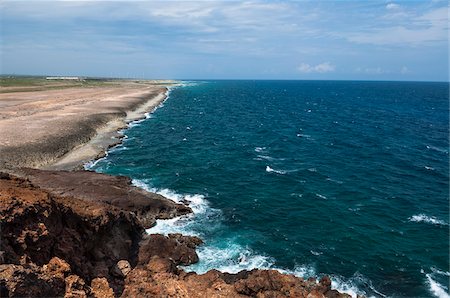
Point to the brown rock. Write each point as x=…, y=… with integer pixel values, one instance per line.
x=28, y=281
x=56, y=268
x=122, y=268
x=89, y=236
x=176, y=247
x=101, y=289
x=54, y=245
x=76, y=287
x=116, y=191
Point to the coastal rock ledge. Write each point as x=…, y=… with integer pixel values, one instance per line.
x=82, y=234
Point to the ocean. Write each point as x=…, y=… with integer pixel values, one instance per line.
x=344, y=178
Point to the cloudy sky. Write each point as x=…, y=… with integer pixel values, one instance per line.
x=366, y=40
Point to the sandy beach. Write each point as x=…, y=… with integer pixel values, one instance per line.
x=64, y=128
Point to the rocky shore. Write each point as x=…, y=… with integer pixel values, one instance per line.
x=82, y=234
x=74, y=233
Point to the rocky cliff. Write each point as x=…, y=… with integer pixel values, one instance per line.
x=81, y=234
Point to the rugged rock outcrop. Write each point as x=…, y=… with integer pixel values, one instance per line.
x=116, y=191
x=75, y=234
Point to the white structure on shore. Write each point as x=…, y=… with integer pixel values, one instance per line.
x=64, y=78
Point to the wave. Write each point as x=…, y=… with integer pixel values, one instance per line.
x=224, y=253
x=436, y=288
x=321, y=196
x=270, y=170
x=308, y=137
x=427, y=219
x=260, y=149
x=353, y=284
x=437, y=149
x=269, y=158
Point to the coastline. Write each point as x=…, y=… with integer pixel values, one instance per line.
x=116, y=257
x=106, y=137
x=65, y=128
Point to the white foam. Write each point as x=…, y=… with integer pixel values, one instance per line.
x=427, y=219
x=321, y=196
x=90, y=164
x=301, y=135
x=351, y=286
x=260, y=149
x=225, y=254
x=270, y=170
x=228, y=257
x=436, y=288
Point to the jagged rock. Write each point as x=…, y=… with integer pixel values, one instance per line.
x=56, y=244
x=76, y=287
x=122, y=268
x=90, y=236
x=176, y=247
x=101, y=289
x=33, y=281
x=116, y=191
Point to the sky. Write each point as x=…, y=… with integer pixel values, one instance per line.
x=329, y=40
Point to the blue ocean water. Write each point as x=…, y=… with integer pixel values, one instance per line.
x=344, y=178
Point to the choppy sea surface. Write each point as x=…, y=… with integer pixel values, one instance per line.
x=344, y=178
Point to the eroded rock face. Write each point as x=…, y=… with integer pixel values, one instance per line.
x=176, y=247
x=37, y=225
x=116, y=191
x=58, y=241
x=160, y=278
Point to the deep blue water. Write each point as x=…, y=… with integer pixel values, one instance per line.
x=343, y=178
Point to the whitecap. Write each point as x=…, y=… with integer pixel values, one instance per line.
x=224, y=254
x=351, y=285
x=260, y=149
x=321, y=196
x=301, y=135
x=436, y=288
x=427, y=219
x=429, y=168
x=270, y=170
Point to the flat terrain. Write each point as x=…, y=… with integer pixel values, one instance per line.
x=42, y=121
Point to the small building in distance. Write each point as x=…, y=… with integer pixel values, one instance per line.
x=64, y=78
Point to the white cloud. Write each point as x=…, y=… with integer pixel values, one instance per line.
x=392, y=6
x=319, y=68
x=431, y=26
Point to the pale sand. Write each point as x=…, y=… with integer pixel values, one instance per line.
x=65, y=128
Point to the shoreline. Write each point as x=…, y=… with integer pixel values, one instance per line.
x=65, y=128
x=107, y=137
x=78, y=232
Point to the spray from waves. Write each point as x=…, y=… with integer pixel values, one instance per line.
x=225, y=253
x=427, y=219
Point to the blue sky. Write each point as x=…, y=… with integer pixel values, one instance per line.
x=366, y=40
